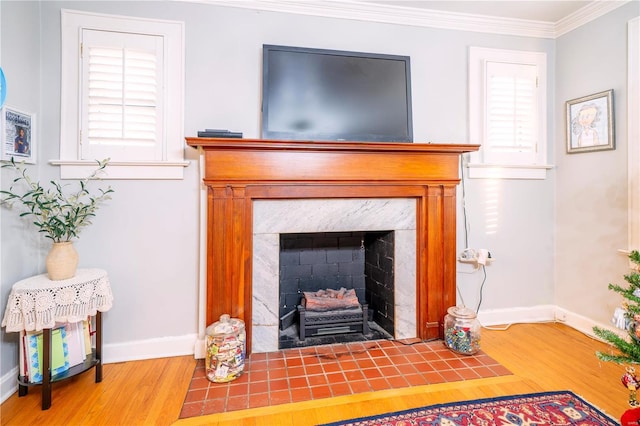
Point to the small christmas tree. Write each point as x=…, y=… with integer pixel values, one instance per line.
x=629, y=349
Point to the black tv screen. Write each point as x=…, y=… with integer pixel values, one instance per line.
x=315, y=94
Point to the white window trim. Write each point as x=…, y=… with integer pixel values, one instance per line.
x=502, y=171
x=71, y=166
x=633, y=132
x=478, y=168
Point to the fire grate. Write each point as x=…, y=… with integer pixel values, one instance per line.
x=338, y=321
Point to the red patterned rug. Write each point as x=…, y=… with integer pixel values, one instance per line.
x=548, y=408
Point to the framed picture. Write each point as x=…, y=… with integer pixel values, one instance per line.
x=590, y=123
x=17, y=135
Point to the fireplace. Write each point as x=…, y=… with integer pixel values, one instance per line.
x=360, y=263
x=242, y=174
x=272, y=218
x=315, y=261
x=336, y=287
x=327, y=270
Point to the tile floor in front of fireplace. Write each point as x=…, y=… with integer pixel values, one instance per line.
x=294, y=375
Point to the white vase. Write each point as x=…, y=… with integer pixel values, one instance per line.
x=62, y=261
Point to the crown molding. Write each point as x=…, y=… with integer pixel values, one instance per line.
x=587, y=14
x=355, y=10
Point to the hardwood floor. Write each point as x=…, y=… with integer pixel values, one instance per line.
x=542, y=357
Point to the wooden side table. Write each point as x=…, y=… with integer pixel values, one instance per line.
x=37, y=303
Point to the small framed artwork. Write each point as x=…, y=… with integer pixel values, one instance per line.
x=18, y=135
x=590, y=123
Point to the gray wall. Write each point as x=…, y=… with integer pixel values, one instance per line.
x=591, y=188
x=147, y=236
x=20, y=246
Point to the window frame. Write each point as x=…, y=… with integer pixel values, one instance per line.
x=172, y=165
x=633, y=132
x=479, y=166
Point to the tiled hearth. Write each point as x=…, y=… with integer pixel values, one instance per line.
x=295, y=375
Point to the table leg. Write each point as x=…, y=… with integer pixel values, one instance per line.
x=46, y=369
x=22, y=389
x=99, y=346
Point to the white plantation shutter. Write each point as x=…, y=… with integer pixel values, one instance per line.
x=121, y=110
x=507, y=113
x=511, y=127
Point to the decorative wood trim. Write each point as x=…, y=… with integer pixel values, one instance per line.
x=395, y=14
x=239, y=171
x=425, y=17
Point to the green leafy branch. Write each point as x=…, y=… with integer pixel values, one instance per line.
x=60, y=216
x=628, y=349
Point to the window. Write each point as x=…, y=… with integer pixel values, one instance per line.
x=121, y=108
x=507, y=98
x=127, y=76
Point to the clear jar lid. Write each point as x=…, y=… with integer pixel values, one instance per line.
x=226, y=325
x=461, y=312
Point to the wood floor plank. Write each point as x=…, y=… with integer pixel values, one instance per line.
x=542, y=357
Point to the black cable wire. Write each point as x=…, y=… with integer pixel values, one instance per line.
x=464, y=204
x=466, y=234
x=484, y=271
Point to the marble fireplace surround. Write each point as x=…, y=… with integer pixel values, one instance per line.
x=274, y=217
x=239, y=174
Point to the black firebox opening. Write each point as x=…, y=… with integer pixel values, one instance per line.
x=362, y=261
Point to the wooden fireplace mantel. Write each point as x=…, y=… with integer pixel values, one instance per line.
x=239, y=171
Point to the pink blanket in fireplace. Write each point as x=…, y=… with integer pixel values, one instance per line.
x=329, y=299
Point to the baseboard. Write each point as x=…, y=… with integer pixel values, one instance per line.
x=200, y=349
x=584, y=324
x=540, y=313
x=121, y=352
x=151, y=348
x=192, y=345
x=543, y=313
x=8, y=384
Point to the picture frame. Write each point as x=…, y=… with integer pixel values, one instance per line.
x=590, y=123
x=17, y=135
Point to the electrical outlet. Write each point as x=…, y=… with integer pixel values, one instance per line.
x=468, y=254
x=475, y=257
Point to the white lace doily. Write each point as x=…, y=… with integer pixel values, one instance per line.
x=37, y=302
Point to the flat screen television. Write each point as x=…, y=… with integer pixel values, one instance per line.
x=330, y=95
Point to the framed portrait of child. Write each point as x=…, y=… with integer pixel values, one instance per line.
x=590, y=123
